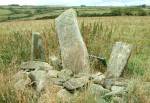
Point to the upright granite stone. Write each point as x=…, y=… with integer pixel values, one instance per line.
x=73, y=50
x=37, y=50
x=118, y=59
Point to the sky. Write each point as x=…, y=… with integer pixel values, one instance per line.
x=77, y=2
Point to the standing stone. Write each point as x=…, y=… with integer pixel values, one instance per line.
x=37, y=50
x=118, y=59
x=73, y=50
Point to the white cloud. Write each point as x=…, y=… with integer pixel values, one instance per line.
x=21, y=2
x=147, y=2
x=75, y=2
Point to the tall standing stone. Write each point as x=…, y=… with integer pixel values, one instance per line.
x=118, y=59
x=37, y=50
x=73, y=50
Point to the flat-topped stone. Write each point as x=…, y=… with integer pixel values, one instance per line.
x=97, y=90
x=76, y=83
x=38, y=79
x=35, y=65
x=73, y=50
x=118, y=59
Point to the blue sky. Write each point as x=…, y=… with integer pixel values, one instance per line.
x=76, y=2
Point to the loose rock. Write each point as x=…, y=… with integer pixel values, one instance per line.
x=98, y=79
x=53, y=73
x=39, y=79
x=76, y=83
x=35, y=65
x=97, y=90
x=65, y=75
x=56, y=63
x=117, y=88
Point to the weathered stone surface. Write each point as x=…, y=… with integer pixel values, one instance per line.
x=118, y=59
x=95, y=75
x=56, y=81
x=65, y=75
x=53, y=73
x=116, y=93
x=35, y=65
x=76, y=83
x=37, y=49
x=98, y=79
x=73, y=50
x=97, y=90
x=117, y=88
x=56, y=62
x=108, y=83
x=38, y=79
x=63, y=96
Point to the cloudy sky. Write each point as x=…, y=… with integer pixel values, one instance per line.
x=76, y=2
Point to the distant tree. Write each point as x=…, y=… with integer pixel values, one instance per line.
x=14, y=5
x=83, y=5
x=143, y=6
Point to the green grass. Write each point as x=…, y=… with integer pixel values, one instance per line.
x=99, y=34
x=4, y=12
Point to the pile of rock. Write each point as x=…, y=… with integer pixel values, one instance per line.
x=72, y=72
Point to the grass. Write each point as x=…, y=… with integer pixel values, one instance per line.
x=99, y=34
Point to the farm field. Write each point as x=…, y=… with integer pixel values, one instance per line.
x=99, y=34
x=16, y=12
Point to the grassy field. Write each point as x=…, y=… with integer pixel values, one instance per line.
x=99, y=34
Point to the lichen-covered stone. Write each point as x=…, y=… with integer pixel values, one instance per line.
x=76, y=83
x=56, y=62
x=73, y=50
x=118, y=59
x=97, y=90
x=64, y=75
x=53, y=73
x=35, y=65
x=37, y=48
x=38, y=79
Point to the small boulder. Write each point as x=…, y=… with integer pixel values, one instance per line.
x=57, y=81
x=56, y=62
x=35, y=65
x=117, y=88
x=97, y=90
x=98, y=79
x=53, y=73
x=76, y=83
x=39, y=79
x=65, y=75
